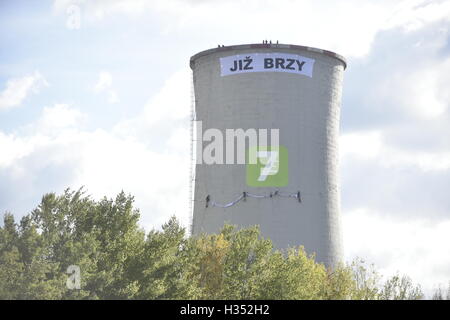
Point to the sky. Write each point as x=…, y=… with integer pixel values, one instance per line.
x=97, y=94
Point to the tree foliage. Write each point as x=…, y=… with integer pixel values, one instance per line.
x=118, y=260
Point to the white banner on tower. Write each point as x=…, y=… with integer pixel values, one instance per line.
x=266, y=62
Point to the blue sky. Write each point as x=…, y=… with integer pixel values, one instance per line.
x=103, y=101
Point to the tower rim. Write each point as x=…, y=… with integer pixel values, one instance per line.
x=267, y=46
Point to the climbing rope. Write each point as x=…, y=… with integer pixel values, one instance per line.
x=244, y=195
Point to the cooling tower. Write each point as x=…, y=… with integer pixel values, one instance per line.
x=292, y=88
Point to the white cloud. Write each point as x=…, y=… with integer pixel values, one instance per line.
x=17, y=89
x=361, y=146
x=113, y=97
x=13, y=148
x=417, y=247
x=172, y=102
x=104, y=81
x=54, y=124
x=158, y=180
x=136, y=158
x=348, y=27
x=104, y=163
x=169, y=107
x=99, y=9
x=59, y=116
x=104, y=84
x=419, y=89
x=415, y=14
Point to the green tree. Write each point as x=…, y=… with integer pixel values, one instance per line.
x=400, y=288
x=118, y=260
x=441, y=294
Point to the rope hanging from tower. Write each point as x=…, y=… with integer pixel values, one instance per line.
x=244, y=195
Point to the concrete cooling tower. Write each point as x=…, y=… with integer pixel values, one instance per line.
x=289, y=97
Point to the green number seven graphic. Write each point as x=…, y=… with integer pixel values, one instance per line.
x=271, y=169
